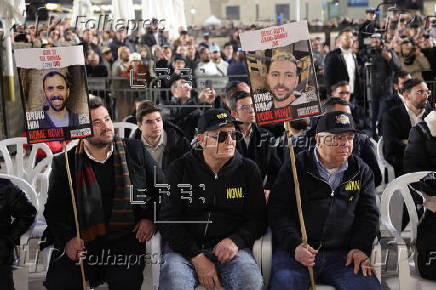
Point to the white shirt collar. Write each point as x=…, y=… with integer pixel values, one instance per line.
x=414, y=119
x=108, y=154
x=347, y=51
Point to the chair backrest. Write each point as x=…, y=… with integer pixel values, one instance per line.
x=400, y=185
x=22, y=166
x=387, y=170
x=120, y=128
x=25, y=187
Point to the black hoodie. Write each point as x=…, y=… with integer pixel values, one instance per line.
x=232, y=200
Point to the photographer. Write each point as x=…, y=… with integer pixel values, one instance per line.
x=412, y=60
x=367, y=28
x=385, y=63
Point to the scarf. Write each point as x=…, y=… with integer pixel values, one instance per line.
x=89, y=203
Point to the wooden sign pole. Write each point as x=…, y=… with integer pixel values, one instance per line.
x=298, y=198
x=73, y=201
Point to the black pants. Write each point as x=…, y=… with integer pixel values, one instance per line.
x=118, y=263
x=427, y=264
x=6, y=280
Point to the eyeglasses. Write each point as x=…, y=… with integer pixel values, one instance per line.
x=246, y=107
x=222, y=136
x=422, y=92
x=344, y=93
x=337, y=140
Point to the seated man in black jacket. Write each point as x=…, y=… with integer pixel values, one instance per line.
x=13, y=204
x=114, y=189
x=162, y=139
x=398, y=121
x=339, y=209
x=257, y=143
x=214, y=212
x=362, y=145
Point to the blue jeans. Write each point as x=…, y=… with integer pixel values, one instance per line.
x=177, y=273
x=329, y=269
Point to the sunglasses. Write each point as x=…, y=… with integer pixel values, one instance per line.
x=223, y=135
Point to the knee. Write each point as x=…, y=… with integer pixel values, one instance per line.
x=286, y=278
x=252, y=281
x=249, y=278
x=176, y=275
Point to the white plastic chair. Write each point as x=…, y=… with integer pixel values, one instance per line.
x=121, y=126
x=24, y=166
x=37, y=175
x=388, y=173
x=262, y=252
x=408, y=276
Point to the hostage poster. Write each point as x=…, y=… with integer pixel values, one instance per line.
x=54, y=93
x=282, y=76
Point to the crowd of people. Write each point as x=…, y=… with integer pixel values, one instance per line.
x=225, y=179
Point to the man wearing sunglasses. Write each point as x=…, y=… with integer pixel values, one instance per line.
x=340, y=212
x=213, y=212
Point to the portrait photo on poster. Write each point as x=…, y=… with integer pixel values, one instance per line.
x=282, y=77
x=55, y=97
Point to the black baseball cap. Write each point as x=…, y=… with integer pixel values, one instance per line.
x=336, y=122
x=214, y=119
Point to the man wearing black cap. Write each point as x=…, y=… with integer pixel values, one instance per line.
x=213, y=213
x=340, y=214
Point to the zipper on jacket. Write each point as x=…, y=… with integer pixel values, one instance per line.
x=210, y=213
x=205, y=229
x=332, y=196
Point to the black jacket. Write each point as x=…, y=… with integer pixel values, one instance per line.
x=382, y=73
x=58, y=210
x=186, y=116
x=335, y=70
x=347, y=218
x=262, y=151
x=386, y=105
x=13, y=204
x=396, y=126
x=232, y=200
x=149, y=40
x=420, y=153
x=177, y=144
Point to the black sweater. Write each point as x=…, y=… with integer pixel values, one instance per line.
x=232, y=200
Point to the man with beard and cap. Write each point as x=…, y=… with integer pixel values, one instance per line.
x=56, y=91
x=214, y=212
